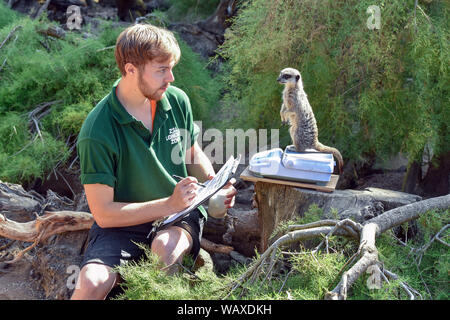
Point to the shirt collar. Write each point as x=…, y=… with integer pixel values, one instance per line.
x=121, y=114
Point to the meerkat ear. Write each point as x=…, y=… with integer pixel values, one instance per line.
x=297, y=77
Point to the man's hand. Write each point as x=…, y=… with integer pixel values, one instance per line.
x=184, y=194
x=231, y=192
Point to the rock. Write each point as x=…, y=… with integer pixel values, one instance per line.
x=277, y=203
x=16, y=204
x=221, y=261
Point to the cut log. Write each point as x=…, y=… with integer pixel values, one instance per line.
x=239, y=229
x=214, y=247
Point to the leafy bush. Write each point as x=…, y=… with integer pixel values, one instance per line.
x=75, y=72
x=192, y=76
x=191, y=9
x=23, y=157
x=6, y=15
x=374, y=92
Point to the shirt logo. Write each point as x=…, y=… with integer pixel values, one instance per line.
x=174, y=135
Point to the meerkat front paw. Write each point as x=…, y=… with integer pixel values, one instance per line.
x=284, y=117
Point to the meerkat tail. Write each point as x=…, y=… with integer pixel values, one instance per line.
x=323, y=148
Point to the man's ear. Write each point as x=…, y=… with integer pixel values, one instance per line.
x=130, y=68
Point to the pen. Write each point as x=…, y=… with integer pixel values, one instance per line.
x=181, y=178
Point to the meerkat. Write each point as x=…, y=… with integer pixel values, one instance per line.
x=296, y=111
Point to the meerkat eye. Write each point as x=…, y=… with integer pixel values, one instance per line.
x=286, y=76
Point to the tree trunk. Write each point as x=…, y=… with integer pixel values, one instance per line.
x=217, y=22
x=239, y=229
x=412, y=177
x=437, y=179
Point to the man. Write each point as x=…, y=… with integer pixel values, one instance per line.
x=126, y=150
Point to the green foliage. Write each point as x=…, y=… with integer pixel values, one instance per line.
x=146, y=281
x=192, y=76
x=78, y=73
x=309, y=276
x=6, y=15
x=372, y=91
x=23, y=157
x=191, y=9
x=41, y=69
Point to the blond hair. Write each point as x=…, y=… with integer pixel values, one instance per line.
x=141, y=43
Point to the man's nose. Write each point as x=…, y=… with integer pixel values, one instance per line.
x=169, y=76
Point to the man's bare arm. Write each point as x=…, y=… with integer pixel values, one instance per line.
x=109, y=214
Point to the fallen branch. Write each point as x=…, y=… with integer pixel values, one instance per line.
x=37, y=114
x=214, y=247
x=44, y=227
x=268, y=257
x=421, y=251
x=42, y=9
x=409, y=290
x=375, y=227
x=9, y=35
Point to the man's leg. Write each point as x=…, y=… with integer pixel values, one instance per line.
x=170, y=245
x=94, y=282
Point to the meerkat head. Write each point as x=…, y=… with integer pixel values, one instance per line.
x=290, y=76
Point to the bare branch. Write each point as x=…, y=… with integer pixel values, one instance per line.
x=9, y=35
x=421, y=251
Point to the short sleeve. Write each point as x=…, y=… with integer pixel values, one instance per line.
x=97, y=162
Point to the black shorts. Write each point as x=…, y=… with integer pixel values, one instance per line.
x=115, y=246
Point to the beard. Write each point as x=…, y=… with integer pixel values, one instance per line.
x=147, y=92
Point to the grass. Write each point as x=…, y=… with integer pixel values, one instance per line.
x=306, y=277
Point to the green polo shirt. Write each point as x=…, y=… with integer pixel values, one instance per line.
x=117, y=150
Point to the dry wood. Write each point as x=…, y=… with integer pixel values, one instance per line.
x=53, y=31
x=43, y=227
x=375, y=227
x=268, y=257
x=214, y=247
x=9, y=35
x=367, y=250
x=42, y=9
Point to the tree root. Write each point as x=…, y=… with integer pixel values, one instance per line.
x=268, y=258
x=367, y=251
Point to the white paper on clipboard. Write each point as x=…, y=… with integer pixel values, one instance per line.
x=212, y=186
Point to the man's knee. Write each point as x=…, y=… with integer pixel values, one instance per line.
x=171, y=244
x=94, y=282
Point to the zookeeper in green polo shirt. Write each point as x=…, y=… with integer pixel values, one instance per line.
x=129, y=147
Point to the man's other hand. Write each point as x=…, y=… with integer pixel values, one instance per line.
x=231, y=192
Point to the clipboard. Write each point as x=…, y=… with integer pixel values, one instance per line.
x=212, y=186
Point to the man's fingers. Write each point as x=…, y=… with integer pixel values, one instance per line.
x=229, y=203
x=187, y=181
